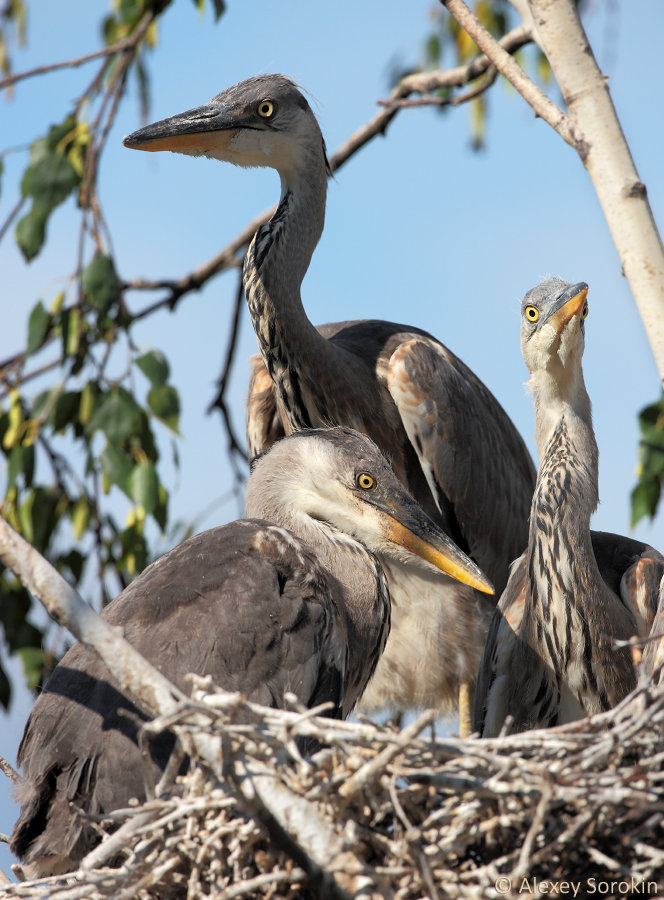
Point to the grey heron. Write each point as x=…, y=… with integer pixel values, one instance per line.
x=448, y=439
x=291, y=599
x=550, y=656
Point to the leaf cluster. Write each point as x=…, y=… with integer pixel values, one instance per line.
x=86, y=432
x=650, y=468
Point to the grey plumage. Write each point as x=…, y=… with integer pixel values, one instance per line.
x=449, y=441
x=295, y=603
x=550, y=656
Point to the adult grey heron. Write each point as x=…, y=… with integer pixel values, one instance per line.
x=300, y=604
x=550, y=656
x=448, y=439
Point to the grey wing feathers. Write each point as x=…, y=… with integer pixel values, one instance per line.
x=469, y=450
x=245, y=603
x=264, y=422
x=653, y=655
x=492, y=694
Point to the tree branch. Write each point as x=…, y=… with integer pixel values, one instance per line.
x=293, y=822
x=601, y=144
x=456, y=100
x=118, y=47
x=65, y=606
x=509, y=67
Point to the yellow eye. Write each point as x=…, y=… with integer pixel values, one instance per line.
x=532, y=313
x=365, y=481
x=265, y=109
x=584, y=312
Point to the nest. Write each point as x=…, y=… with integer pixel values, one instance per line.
x=379, y=812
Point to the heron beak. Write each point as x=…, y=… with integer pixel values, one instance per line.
x=207, y=127
x=417, y=533
x=568, y=305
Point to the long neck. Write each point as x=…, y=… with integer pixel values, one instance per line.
x=566, y=493
x=276, y=263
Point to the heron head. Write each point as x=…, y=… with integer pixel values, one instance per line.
x=552, y=326
x=264, y=121
x=338, y=479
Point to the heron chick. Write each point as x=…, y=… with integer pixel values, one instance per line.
x=292, y=599
x=551, y=656
x=448, y=439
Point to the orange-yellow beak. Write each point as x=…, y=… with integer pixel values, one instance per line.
x=570, y=307
x=441, y=552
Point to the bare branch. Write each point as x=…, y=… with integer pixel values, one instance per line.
x=10, y=218
x=118, y=47
x=425, y=82
x=604, y=152
x=10, y=771
x=457, y=100
x=220, y=400
x=509, y=67
x=65, y=606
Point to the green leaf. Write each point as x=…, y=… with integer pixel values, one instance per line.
x=101, y=283
x=49, y=181
x=89, y=396
x=15, y=606
x=33, y=665
x=37, y=518
x=41, y=401
x=143, y=486
x=645, y=498
x=145, y=439
x=5, y=689
x=31, y=232
x=80, y=516
x=74, y=561
x=165, y=404
x=154, y=366
x=118, y=416
x=21, y=460
x=219, y=9
x=66, y=410
x=25, y=517
x=160, y=511
x=37, y=327
x=70, y=320
x=134, y=550
x=116, y=466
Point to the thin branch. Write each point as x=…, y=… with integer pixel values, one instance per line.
x=509, y=67
x=10, y=771
x=10, y=218
x=65, y=606
x=457, y=100
x=35, y=373
x=425, y=82
x=219, y=402
x=124, y=44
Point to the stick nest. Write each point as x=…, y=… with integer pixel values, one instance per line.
x=380, y=812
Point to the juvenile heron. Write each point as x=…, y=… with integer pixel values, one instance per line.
x=550, y=656
x=300, y=604
x=448, y=439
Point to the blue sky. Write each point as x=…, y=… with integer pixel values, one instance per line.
x=419, y=229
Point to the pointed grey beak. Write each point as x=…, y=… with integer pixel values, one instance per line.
x=208, y=127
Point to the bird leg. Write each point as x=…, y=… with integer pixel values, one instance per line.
x=466, y=700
